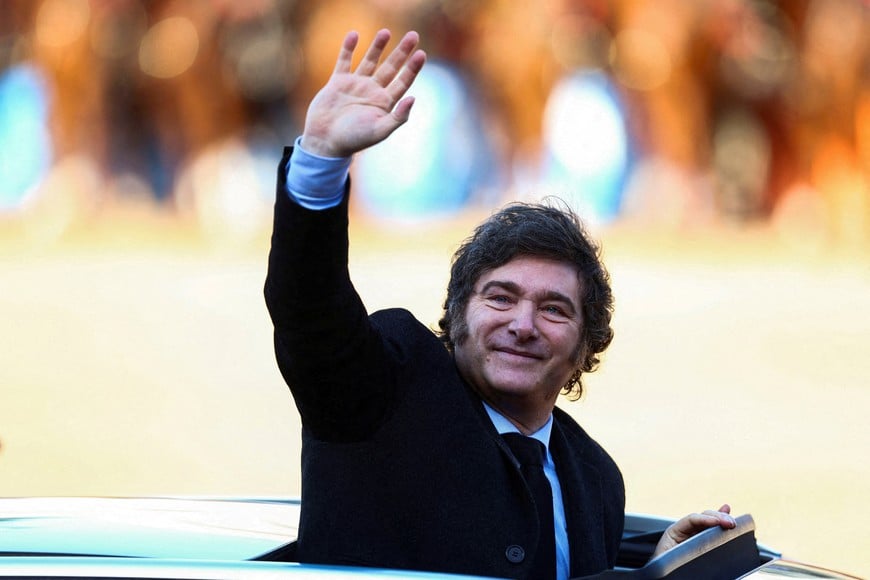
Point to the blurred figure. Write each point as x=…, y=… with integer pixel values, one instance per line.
x=586, y=146
x=25, y=145
x=142, y=95
x=832, y=85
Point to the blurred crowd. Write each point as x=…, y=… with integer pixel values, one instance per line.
x=659, y=111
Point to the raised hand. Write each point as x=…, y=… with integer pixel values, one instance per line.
x=357, y=109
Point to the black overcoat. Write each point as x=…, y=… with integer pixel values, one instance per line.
x=401, y=466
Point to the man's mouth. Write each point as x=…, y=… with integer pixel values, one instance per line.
x=518, y=353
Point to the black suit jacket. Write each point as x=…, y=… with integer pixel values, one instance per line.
x=401, y=466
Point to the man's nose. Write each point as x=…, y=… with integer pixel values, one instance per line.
x=523, y=324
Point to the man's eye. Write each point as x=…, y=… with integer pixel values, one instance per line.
x=500, y=300
x=553, y=310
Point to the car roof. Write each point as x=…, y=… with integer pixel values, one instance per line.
x=66, y=568
x=209, y=538
x=160, y=527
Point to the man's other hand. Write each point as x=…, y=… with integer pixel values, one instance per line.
x=692, y=524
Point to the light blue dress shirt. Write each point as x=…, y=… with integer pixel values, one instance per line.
x=317, y=183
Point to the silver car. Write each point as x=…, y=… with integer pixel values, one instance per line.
x=229, y=538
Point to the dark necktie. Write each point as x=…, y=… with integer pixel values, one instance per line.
x=531, y=454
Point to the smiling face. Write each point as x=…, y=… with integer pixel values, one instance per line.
x=523, y=334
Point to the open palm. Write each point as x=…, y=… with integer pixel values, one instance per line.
x=357, y=109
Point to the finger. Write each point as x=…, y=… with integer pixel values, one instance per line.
x=403, y=110
x=725, y=509
x=398, y=117
x=345, y=55
x=369, y=63
x=406, y=77
x=396, y=60
x=720, y=518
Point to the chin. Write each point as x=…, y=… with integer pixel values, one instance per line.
x=517, y=387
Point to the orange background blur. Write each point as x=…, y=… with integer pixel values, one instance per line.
x=135, y=350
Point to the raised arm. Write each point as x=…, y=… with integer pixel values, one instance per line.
x=325, y=346
x=357, y=109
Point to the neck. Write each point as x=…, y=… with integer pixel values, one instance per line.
x=527, y=419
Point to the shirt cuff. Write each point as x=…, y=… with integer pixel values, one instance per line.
x=316, y=182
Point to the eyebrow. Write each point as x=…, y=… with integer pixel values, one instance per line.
x=514, y=288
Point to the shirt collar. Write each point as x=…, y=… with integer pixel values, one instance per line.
x=503, y=425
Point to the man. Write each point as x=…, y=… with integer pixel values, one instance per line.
x=403, y=461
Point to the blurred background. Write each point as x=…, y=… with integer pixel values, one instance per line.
x=718, y=148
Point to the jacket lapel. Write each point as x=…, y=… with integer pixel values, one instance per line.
x=584, y=502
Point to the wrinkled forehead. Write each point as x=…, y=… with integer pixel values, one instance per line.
x=541, y=275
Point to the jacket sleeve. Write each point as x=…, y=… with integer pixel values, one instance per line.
x=326, y=348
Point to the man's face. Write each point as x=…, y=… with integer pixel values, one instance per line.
x=524, y=323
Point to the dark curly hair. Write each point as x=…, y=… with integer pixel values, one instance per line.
x=546, y=230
